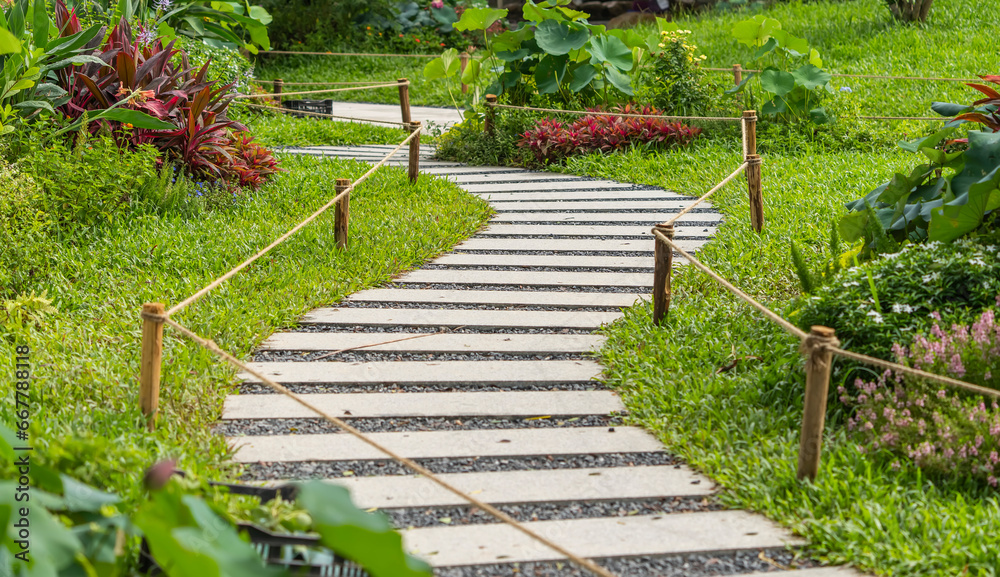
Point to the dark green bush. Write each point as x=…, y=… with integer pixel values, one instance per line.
x=24, y=231
x=319, y=24
x=468, y=141
x=957, y=280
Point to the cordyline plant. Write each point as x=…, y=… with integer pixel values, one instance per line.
x=141, y=76
x=941, y=430
x=985, y=111
x=553, y=141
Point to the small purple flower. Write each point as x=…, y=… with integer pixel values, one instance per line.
x=163, y=5
x=146, y=36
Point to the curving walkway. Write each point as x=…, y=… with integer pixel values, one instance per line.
x=498, y=393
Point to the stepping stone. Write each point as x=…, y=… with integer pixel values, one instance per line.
x=648, y=218
x=429, y=372
x=515, y=177
x=548, y=187
x=446, y=444
x=568, y=205
x=583, y=195
x=646, y=535
x=505, y=404
x=548, y=486
x=528, y=261
x=815, y=572
x=500, y=298
x=589, y=230
x=482, y=319
x=435, y=343
x=567, y=245
x=472, y=170
x=529, y=278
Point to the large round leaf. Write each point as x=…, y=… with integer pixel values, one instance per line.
x=446, y=66
x=810, y=77
x=620, y=81
x=777, y=82
x=549, y=73
x=479, y=18
x=755, y=31
x=608, y=49
x=582, y=76
x=558, y=38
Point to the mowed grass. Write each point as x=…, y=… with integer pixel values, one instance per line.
x=86, y=418
x=281, y=129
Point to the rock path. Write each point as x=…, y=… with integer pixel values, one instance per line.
x=498, y=393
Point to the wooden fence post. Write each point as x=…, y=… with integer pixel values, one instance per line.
x=149, y=366
x=663, y=262
x=342, y=213
x=463, y=58
x=404, y=100
x=279, y=86
x=737, y=78
x=491, y=99
x=414, y=152
x=753, y=170
x=819, y=361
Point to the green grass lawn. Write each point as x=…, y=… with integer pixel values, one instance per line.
x=86, y=419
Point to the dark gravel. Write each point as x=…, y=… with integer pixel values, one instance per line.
x=441, y=516
x=251, y=427
x=466, y=306
x=697, y=565
x=331, y=328
x=507, y=287
x=698, y=210
x=311, y=388
x=530, y=268
x=362, y=356
x=374, y=468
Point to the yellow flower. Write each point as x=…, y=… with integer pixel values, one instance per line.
x=662, y=45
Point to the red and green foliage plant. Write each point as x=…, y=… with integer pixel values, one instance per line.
x=985, y=111
x=146, y=78
x=553, y=141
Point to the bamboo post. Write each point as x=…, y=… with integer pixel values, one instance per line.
x=819, y=361
x=491, y=99
x=753, y=170
x=342, y=213
x=149, y=366
x=463, y=58
x=663, y=262
x=404, y=99
x=279, y=85
x=414, y=152
x=737, y=78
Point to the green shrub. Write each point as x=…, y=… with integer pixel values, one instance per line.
x=677, y=85
x=956, y=280
x=318, y=24
x=24, y=227
x=91, y=183
x=226, y=65
x=468, y=141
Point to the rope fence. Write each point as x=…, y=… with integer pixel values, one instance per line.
x=322, y=114
x=868, y=76
x=154, y=319
x=376, y=54
x=819, y=345
x=327, y=91
x=358, y=82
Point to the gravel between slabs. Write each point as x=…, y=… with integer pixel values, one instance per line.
x=332, y=328
x=252, y=427
x=348, y=304
x=442, y=516
x=524, y=268
x=374, y=468
x=363, y=356
x=315, y=388
x=697, y=565
x=507, y=287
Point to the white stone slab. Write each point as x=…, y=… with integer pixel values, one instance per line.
x=564, y=245
x=460, y=318
x=459, y=405
x=436, y=342
x=648, y=218
x=516, y=177
x=475, y=170
x=589, y=230
x=428, y=372
x=611, y=205
x=843, y=571
x=582, y=195
x=553, y=261
x=546, y=486
x=445, y=444
x=542, y=298
x=529, y=278
x=548, y=186
x=647, y=535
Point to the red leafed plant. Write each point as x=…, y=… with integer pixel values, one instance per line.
x=253, y=164
x=553, y=141
x=143, y=73
x=985, y=111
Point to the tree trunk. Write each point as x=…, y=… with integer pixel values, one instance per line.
x=910, y=10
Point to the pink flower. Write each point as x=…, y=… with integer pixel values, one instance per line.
x=437, y=4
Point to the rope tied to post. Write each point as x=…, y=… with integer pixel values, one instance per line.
x=815, y=342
